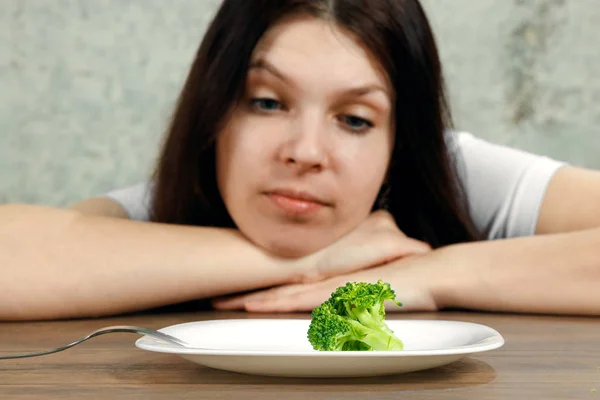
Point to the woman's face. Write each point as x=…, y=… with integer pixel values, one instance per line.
x=304, y=154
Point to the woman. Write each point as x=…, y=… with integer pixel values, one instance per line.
x=310, y=147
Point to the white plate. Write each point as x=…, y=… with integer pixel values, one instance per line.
x=279, y=347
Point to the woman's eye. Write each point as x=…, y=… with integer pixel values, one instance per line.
x=265, y=104
x=356, y=124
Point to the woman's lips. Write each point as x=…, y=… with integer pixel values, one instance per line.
x=295, y=204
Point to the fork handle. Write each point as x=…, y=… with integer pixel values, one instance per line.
x=102, y=331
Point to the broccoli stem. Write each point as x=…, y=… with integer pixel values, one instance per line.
x=378, y=336
x=383, y=341
x=371, y=319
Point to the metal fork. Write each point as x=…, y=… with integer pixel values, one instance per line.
x=109, y=329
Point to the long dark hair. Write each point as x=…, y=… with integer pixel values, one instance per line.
x=422, y=191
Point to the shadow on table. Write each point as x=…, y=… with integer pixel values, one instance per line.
x=464, y=373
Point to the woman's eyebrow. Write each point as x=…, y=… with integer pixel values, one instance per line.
x=263, y=64
x=365, y=90
x=359, y=91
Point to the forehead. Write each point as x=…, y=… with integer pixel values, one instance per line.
x=306, y=47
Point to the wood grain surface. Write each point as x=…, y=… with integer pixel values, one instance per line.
x=545, y=357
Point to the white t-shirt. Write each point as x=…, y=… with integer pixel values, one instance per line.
x=504, y=186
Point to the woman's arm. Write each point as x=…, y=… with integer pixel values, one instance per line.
x=557, y=272
x=572, y=201
x=75, y=263
x=62, y=263
x=101, y=207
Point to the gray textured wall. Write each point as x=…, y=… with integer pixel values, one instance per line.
x=86, y=86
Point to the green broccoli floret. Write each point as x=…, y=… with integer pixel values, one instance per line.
x=353, y=319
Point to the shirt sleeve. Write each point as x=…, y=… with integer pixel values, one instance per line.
x=135, y=200
x=505, y=187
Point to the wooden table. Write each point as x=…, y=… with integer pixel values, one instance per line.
x=544, y=357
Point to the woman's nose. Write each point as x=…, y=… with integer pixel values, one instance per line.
x=305, y=147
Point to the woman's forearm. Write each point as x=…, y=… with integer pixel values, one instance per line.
x=557, y=273
x=59, y=264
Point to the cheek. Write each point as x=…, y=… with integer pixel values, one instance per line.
x=364, y=172
x=238, y=161
x=363, y=188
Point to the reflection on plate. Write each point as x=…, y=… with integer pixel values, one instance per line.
x=279, y=347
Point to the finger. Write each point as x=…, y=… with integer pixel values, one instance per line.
x=226, y=304
x=306, y=298
x=295, y=303
x=273, y=307
x=235, y=302
x=238, y=302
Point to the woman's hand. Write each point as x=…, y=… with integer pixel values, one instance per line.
x=376, y=241
x=410, y=278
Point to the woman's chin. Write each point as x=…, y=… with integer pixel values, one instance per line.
x=292, y=249
x=289, y=240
